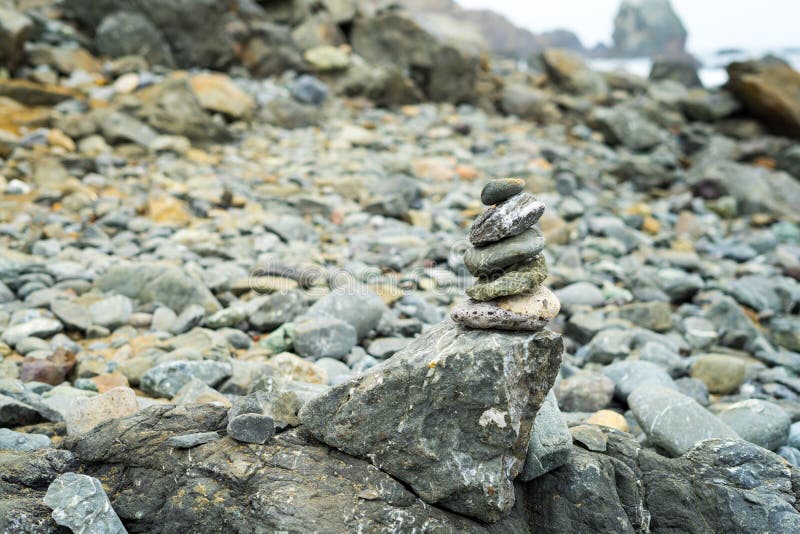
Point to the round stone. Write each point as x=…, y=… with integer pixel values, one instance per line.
x=610, y=419
x=500, y=190
x=722, y=374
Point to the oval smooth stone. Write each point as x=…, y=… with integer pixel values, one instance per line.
x=502, y=189
x=493, y=259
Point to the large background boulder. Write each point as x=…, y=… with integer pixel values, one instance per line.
x=648, y=28
x=770, y=91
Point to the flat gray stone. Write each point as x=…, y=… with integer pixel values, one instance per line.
x=166, y=379
x=323, y=337
x=18, y=441
x=251, y=428
x=188, y=441
x=507, y=219
x=674, y=422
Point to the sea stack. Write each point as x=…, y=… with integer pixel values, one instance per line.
x=506, y=257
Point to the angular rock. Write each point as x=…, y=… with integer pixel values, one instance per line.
x=360, y=307
x=551, y=442
x=498, y=257
x=72, y=315
x=166, y=379
x=584, y=392
x=172, y=107
x=674, y=422
x=758, y=421
x=43, y=327
x=629, y=375
x=507, y=219
x=15, y=413
x=80, y=503
x=627, y=127
x=569, y=70
x=323, y=337
x=17, y=441
x=195, y=439
x=217, y=93
x=519, y=312
x=83, y=414
x=251, y=428
x=450, y=447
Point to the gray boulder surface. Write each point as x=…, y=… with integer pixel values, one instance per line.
x=450, y=415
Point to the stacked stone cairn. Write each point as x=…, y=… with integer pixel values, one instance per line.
x=506, y=257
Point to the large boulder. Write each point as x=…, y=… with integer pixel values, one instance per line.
x=125, y=33
x=440, y=71
x=648, y=28
x=717, y=486
x=770, y=91
x=450, y=415
x=198, y=32
x=293, y=483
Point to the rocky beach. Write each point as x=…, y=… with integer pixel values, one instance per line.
x=311, y=267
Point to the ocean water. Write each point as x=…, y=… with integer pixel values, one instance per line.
x=712, y=73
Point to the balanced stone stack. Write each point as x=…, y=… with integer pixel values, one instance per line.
x=506, y=257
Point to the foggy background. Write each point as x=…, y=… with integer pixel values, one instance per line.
x=712, y=24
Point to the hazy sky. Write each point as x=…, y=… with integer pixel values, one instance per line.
x=712, y=24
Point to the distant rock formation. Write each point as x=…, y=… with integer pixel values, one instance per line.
x=648, y=28
x=467, y=28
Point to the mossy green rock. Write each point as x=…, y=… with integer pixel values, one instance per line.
x=518, y=280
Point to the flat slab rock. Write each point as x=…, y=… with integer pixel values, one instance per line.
x=450, y=415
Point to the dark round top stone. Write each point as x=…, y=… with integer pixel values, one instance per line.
x=499, y=190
